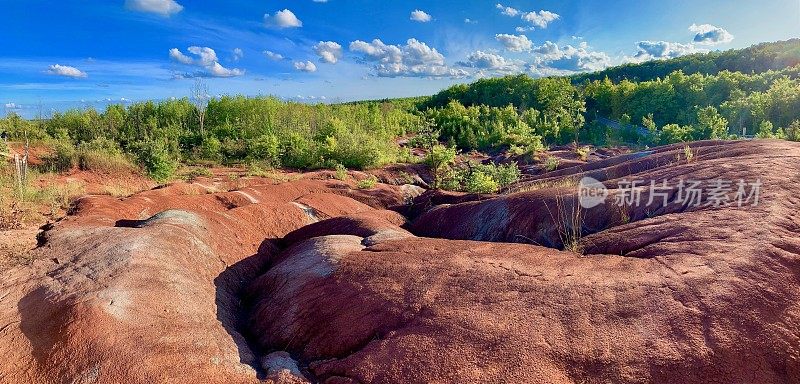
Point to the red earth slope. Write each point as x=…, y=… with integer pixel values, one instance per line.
x=189, y=284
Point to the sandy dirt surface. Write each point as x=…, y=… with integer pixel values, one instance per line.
x=16, y=246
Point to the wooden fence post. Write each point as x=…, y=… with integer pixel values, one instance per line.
x=25, y=161
x=18, y=174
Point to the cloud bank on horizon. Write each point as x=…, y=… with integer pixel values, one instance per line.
x=345, y=50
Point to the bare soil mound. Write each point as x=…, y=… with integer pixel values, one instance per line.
x=145, y=289
x=677, y=294
x=314, y=281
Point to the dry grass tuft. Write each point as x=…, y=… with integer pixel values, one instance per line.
x=119, y=189
x=568, y=223
x=529, y=186
x=40, y=198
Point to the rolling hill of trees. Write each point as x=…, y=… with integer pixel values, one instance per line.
x=755, y=59
x=678, y=101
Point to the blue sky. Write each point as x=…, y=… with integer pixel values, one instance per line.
x=71, y=54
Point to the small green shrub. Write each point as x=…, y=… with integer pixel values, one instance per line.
x=793, y=131
x=197, y=173
x=480, y=182
x=688, y=154
x=258, y=170
x=450, y=179
x=103, y=155
x=340, y=172
x=233, y=150
x=156, y=160
x=439, y=159
x=507, y=174
x=766, y=131
x=427, y=136
x=4, y=147
x=406, y=177
x=405, y=156
x=356, y=149
x=101, y=144
x=551, y=163
x=583, y=153
x=503, y=175
x=674, y=133
x=299, y=151
x=535, y=147
x=211, y=149
x=359, y=151
x=710, y=124
x=61, y=158
x=479, y=178
x=516, y=150
x=265, y=148
x=367, y=183
x=521, y=141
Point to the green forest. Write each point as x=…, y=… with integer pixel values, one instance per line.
x=753, y=92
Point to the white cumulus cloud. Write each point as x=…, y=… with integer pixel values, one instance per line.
x=328, y=51
x=707, y=34
x=535, y=19
x=282, y=19
x=305, y=66
x=160, y=7
x=420, y=16
x=414, y=59
x=206, y=55
x=273, y=56
x=540, y=19
x=514, y=43
x=508, y=11
x=175, y=54
x=487, y=61
x=67, y=71
x=550, y=59
x=657, y=50
x=205, y=58
x=217, y=70
x=238, y=54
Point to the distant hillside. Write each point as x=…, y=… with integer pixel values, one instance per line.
x=522, y=91
x=751, y=91
x=405, y=103
x=755, y=59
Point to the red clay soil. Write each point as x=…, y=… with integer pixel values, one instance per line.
x=191, y=284
x=144, y=289
x=700, y=295
x=567, y=156
x=35, y=153
x=95, y=183
x=15, y=246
